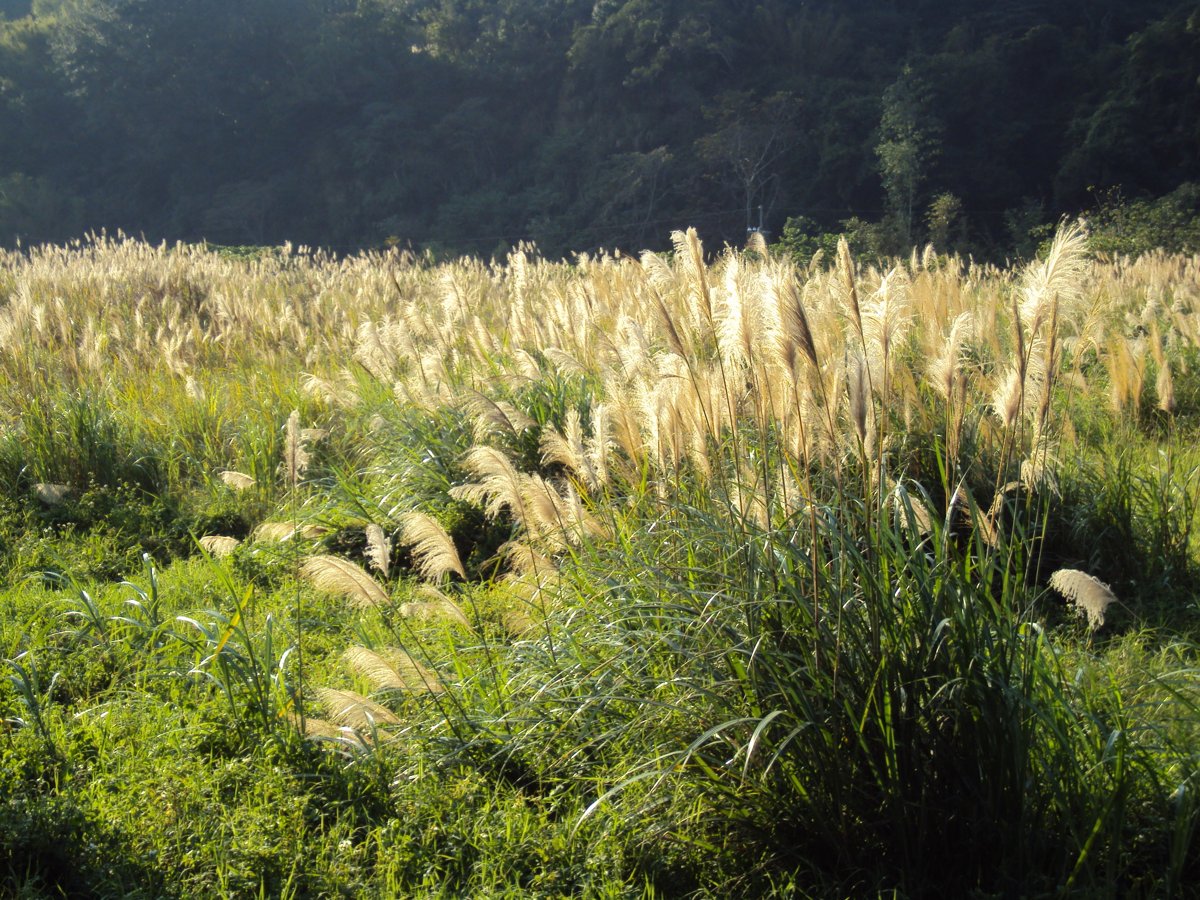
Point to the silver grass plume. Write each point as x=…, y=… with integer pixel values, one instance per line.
x=523, y=559
x=379, y=549
x=393, y=670
x=527, y=365
x=689, y=254
x=563, y=361
x=674, y=339
x=373, y=353
x=1164, y=384
x=567, y=449
x=633, y=347
x=795, y=333
x=431, y=546
x=1044, y=377
x=996, y=521
x=353, y=710
x=495, y=415
x=499, y=483
x=658, y=272
x=945, y=371
x=624, y=423
x=295, y=454
x=1038, y=471
x=219, y=545
x=340, y=576
x=597, y=446
x=1006, y=400
x=518, y=622
x=379, y=673
x=546, y=513
x=734, y=337
x=886, y=322
x=323, y=729
x=518, y=273
x=858, y=398
x=1059, y=275
x=436, y=605
x=236, y=480
x=341, y=393
x=1090, y=596
x=51, y=494
x=278, y=532
x=194, y=390
x=310, y=436
x=846, y=271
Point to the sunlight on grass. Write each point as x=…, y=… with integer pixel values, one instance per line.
x=686, y=574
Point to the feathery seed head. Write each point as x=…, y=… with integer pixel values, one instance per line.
x=1090, y=596
x=393, y=670
x=353, y=710
x=219, y=545
x=340, y=576
x=237, y=480
x=379, y=549
x=431, y=546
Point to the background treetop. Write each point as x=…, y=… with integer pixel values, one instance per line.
x=466, y=126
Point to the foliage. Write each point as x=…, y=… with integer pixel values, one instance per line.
x=464, y=126
x=803, y=239
x=1171, y=222
x=907, y=146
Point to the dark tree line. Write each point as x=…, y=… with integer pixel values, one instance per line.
x=468, y=125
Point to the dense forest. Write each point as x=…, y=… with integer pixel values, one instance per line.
x=470, y=125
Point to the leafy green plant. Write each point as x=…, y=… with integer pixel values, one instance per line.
x=34, y=692
x=1170, y=222
x=248, y=669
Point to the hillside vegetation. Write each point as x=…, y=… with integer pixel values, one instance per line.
x=467, y=126
x=686, y=574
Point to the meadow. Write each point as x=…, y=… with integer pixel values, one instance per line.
x=706, y=573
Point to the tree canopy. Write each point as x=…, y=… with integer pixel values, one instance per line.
x=469, y=125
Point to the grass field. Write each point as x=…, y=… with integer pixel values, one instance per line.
x=700, y=574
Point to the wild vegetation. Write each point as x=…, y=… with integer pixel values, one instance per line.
x=690, y=574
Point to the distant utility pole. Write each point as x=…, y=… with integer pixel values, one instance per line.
x=756, y=229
